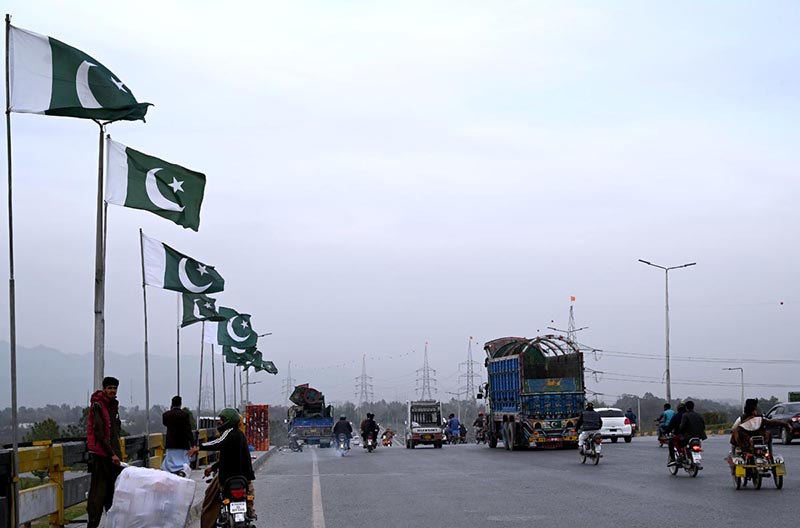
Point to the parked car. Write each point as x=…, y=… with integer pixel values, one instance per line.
x=615, y=425
x=786, y=412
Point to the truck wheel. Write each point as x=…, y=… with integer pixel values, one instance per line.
x=511, y=431
x=413, y=445
x=492, y=440
x=437, y=444
x=408, y=444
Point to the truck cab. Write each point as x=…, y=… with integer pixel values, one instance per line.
x=424, y=424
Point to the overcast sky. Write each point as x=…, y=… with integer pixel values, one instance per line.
x=384, y=174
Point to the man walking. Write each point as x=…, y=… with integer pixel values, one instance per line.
x=179, y=438
x=102, y=439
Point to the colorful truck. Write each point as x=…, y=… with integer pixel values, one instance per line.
x=309, y=418
x=424, y=424
x=535, y=391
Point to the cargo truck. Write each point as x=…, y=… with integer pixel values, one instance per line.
x=535, y=392
x=309, y=418
x=424, y=424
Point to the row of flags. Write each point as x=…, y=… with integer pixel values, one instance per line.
x=49, y=77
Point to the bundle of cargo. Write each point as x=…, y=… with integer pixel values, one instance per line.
x=150, y=498
x=309, y=419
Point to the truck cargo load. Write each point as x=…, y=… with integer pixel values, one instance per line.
x=309, y=418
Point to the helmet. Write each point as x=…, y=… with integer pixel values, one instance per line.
x=480, y=413
x=230, y=418
x=343, y=417
x=590, y=406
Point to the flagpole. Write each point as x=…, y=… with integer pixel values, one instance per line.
x=99, y=274
x=233, y=386
x=178, y=349
x=12, y=323
x=224, y=389
x=146, y=360
x=200, y=384
x=213, y=382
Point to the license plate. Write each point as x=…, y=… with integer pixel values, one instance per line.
x=739, y=471
x=238, y=507
x=426, y=437
x=696, y=457
x=598, y=448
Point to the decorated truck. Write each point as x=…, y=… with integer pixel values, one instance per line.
x=535, y=391
x=424, y=424
x=309, y=418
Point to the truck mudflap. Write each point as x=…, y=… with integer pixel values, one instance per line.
x=537, y=436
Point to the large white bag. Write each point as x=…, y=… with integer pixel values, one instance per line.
x=150, y=498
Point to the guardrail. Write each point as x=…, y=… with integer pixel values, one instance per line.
x=66, y=488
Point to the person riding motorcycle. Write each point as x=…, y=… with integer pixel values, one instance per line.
x=751, y=423
x=480, y=425
x=692, y=425
x=453, y=427
x=588, y=422
x=369, y=426
x=343, y=427
x=234, y=461
x=664, y=418
x=631, y=416
x=672, y=428
x=387, y=437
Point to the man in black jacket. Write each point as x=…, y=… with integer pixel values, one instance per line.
x=343, y=427
x=179, y=438
x=234, y=460
x=692, y=425
x=588, y=421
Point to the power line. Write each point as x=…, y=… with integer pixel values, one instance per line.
x=641, y=355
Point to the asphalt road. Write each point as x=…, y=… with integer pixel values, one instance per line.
x=469, y=485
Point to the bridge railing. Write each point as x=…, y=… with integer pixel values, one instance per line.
x=65, y=487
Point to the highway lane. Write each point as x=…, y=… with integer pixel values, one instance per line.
x=474, y=485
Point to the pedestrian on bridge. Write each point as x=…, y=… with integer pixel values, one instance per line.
x=179, y=441
x=102, y=440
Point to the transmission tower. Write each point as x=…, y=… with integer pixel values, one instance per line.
x=288, y=382
x=425, y=377
x=470, y=375
x=364, y=384
x=571, y=330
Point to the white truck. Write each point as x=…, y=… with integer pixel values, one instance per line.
x=424, y=424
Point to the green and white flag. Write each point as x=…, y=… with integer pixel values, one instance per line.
x=140, y=181
x=49, y=77
x=168, y=269
x=199, y=307
x=241, y=357
x=267, y=366
x=234, y=332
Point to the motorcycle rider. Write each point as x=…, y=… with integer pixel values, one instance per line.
x=343, y=427
x=234, y=461
x=589, y=421
x=630, y=415
x=369, y=426
x=479, y=424
x=692, y=425
x=751, y=424
x=664, y=418
x=453, y=427
x=672, y=428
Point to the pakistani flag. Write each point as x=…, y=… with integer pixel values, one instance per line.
x=140, y=181
x=199, y=307
x=49, y=77
x=267, y=366
x=166, y=268
x=235, y=331
x=241, y=357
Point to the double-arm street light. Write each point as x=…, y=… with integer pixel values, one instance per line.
x=741, y=371
x=666, y=310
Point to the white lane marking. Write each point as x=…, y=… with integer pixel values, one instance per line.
x=317, y=515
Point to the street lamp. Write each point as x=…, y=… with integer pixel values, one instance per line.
x=741, y=371
x=666, y=311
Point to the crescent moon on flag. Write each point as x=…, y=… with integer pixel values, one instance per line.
x=196, y=310
x=233, y=335
x=238, y=350
x=186, y=282
x=85, y=95
x=155, y=196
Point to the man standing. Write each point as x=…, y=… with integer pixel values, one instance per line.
x=179, y=438
x=102, y=439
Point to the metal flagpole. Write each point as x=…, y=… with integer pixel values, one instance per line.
x=200, y=383
x=233, y=386
x=178, y=349
x=12, y=324
x=213, y=383
x=99, y=274
x=224, y=389
x=146, y=359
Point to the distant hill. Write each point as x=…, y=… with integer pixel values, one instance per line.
x=48, y=376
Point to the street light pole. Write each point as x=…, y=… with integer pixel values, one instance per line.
x=666, y=313
x=741, y=371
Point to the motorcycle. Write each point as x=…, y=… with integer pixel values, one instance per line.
x=687, y=457
x=591, y=448
x=386, y=441
x=341, y=444
x=233, y=513
x=480, y=435
x=295, y=444
x=369, y=443
x=755, y=465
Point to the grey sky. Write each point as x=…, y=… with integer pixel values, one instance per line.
x=384, y=175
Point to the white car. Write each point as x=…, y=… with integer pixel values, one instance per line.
x=356, y=440
x=615, y=425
